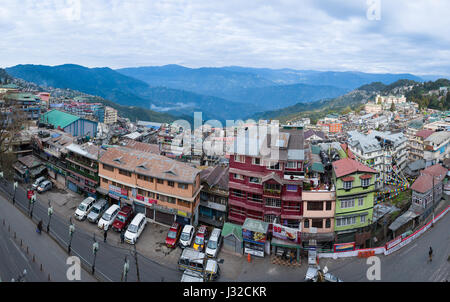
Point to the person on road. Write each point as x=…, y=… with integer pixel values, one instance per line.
x=39, y=226
x=105, y=234
x=122, y=236
x=430, y=254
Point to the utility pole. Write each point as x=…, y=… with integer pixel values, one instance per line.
x=432, y=207
x=137, y=266
x=126, y=267
x=71, y=231
x=15, y=189
x=94, y=250
x=50, y=213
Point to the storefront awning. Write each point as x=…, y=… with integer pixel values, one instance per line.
x=284, y=243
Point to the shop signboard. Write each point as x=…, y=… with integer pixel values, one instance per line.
x=344, y=247
x=145, y=199
x=118, y=192
x=394, y=242
x=285, y=233
x=253, y=252
x=255, y=237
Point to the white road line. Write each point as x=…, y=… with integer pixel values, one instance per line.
x=408, y=250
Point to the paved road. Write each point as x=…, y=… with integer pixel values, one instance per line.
x=109, y=260
x=409, y=264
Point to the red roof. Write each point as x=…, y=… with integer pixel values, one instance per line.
x=347, y=166
x=422, y=184
x=435, y=170
x=424, y=133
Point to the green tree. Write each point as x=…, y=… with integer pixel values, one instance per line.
x=392, y=107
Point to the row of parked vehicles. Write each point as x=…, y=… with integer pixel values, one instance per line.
x=42, y=185
x=184, y=237
x=112, y=217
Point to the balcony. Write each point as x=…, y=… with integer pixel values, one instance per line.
x=272, y=192
x=84, y=163
x=94, y=178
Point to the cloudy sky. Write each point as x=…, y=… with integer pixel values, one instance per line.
x=364, y=35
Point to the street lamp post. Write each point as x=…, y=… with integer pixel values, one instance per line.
x=71, y=231
x=94, y=250
x=50, y=213
x=20, y=277
x=126, y=268
x=15, y=189
x=32, y=201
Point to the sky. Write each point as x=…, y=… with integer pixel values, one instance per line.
x=396, y=36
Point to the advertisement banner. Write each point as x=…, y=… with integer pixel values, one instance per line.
x=282, y=232
x=344, y=247
x=255, y=237
x=394, y=242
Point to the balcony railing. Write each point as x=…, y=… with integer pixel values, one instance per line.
x=85, y=174
x=272, y=192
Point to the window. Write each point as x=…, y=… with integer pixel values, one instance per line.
x=108, y=167
x=254, y=197
x=273, y=202
x=328, y=223
x=269, y=218
x=365, y=182
x=182, y=186
x=360, y=201
x=291, y=165
x=317, y=223
x=160, y=181
x=255, y=180
x=328, y=206
x=238, y=193
x=184, y=203
x=238, y=176
x=345, y=221
x=123, y=172
x=239, y=158
x=275, y=166
x=256, y=161
x=105, y=180
x=170, y=183
x=142, y=192
x=306, y=224
x=291, y=188
x=363, y=218
x=314, y=206
x=347, y=185
x=349, y=203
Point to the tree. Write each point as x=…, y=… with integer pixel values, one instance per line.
x=392, y=107
x=346, y=110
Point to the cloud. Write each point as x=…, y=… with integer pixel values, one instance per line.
x=411, y=36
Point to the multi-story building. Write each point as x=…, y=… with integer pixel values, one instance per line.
x=355, y=185
x=263, y=188
x=164, y=189
x=213, y=207
x=437, y=147
x=29, y=103
x=110, y=115
x=416, y=144
x=382, y=151
x=82, y=168
x=70, y=123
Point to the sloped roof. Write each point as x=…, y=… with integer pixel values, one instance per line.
x=424, y=133
x=215, y=176
x=435, y=170
x=423, y=183
x=347, y=166
x=231, y=228
x=58, y=118
x=255, y=225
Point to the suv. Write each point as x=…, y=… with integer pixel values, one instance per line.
x=84, y=208
x=44, y=186
x=123, y=219
x=173, y=235
x=97, y=210
x=200, y=238
x=186, y=236
x=37, y=182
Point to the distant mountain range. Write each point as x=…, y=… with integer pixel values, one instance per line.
x=219, y=93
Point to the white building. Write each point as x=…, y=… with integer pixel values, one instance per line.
x=110, y=115
x=437, y=147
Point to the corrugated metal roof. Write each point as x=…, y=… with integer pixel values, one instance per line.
x=58, y=118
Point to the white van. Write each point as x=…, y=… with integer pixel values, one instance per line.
x=186, y=236
x=212, y=248
x=108, y=217
x=84, y=208
x=135, y=228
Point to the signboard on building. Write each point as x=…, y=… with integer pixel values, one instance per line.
x=255, y=237
x=285, y=233
x=253, y=252
x=116, y=192
x=344, y=247
x=394, y=242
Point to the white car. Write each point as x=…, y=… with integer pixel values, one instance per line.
x=186, y=236
x=108, y=217
x=135, y=228
x=84, y=208
x=213, y=245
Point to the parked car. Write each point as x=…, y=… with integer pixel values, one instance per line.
x=123, y=218
x=84, y=208
x=200, y=238
x=135, y=228
x=97, y=211
x=44, y=186
x=108, y=217
x=212, y=248
x=173, y=235
x=37, y=182
x=186, y=236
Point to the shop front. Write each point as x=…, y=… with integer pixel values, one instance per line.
x=254, y=234
x=286, y=241
x=118, y=196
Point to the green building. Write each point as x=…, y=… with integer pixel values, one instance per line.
x=355, y=186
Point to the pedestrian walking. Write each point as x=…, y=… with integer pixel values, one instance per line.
x=430, y=254
x=122, y=236
x=291, y=257
x=105, y=234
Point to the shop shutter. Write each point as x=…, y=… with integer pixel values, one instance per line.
x=164, y=218
x=72, y=186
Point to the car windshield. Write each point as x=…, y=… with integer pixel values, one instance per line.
x=184, y=236
x=199, y=240
x=212, y=244
x=82, y=207
x=96, y=210
x=132, y=228
x=121, y=218
x=172, y=234
x=106, y=216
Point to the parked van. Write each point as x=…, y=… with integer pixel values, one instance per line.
x=135, y=228
x=97, y=210
x=84, y=208
x=212, y=248
x=186, y=236
x=108, y=217
x=193, y=260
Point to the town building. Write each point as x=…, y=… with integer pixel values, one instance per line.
x=110, y=115
x=416, y=144
x=163, y=189
x=213, y=209
x=355, y=185
x=70, y=123
x=29, y=103
x=437, y=147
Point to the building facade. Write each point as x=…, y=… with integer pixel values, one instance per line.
x=213, y=209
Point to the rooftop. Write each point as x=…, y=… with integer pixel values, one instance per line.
x=58, y=118
x=347, y=166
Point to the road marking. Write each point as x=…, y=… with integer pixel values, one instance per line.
x=408, y=250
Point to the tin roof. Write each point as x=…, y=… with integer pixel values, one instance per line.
x=58, y=118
